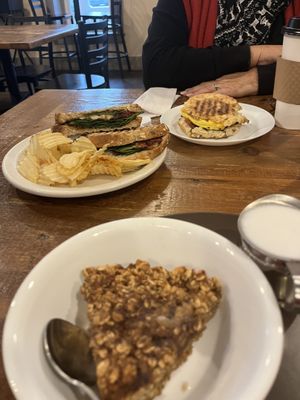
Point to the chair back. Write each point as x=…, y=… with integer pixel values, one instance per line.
x=77, y=11
x=116, y=12
x=93, y=46
x=38, y=8
x=115, y=16
x=15, y=19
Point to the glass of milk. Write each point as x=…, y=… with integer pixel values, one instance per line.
x=270, y=233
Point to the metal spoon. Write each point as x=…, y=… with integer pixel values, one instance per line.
x=66, y=347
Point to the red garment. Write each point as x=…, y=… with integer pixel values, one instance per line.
x=293, y=10
x=202, y=17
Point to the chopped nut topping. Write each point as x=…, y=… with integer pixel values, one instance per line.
x=143, y=322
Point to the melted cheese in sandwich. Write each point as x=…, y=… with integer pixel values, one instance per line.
x=204, y=123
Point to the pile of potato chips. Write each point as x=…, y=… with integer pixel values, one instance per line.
x=53, y=159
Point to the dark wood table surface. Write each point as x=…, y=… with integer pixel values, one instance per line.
x=26, y=37
x=193, y=179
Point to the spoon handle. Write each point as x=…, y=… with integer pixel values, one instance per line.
x=85, y=392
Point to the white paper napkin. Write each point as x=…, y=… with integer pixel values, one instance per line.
x=156, y=100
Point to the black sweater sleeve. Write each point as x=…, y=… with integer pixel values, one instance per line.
x=168, y=60
x=266, y=76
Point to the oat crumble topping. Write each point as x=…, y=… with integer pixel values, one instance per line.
x=143, y=322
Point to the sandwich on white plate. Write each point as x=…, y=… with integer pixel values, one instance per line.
x=117, y=130
x=109, y=141
x=211, y=116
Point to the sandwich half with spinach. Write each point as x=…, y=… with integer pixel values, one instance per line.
x=141, y=143
x=109, y=119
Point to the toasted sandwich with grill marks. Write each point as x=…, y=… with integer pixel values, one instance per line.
x=211, y=116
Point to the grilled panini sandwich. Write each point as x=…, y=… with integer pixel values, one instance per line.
x=211, y=116
x=113, y=118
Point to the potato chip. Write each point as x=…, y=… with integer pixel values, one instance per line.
x=81, y=144
x=53, y=139
x=45, y=181
x=131, y=165
x=72, y=160
x=79, y=172
x=43, y=154
x=50, y=172
x=69, y=163
x=64, y=148
x=106, y=169
x=83, y=174
x=29, y=167
x=106, y=164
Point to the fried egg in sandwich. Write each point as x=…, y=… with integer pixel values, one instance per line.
x=211, y=116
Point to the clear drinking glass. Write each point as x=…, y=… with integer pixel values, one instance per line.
x=270, y=232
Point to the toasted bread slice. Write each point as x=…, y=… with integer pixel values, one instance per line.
x=143, y=322
x=69, y=131
x=106, y=119
x=197, y=132
x=214, y=107
x=154, y=148
x=120, y=138
x=62, y=117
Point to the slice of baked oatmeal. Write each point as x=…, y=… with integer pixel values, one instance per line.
x=143, y=322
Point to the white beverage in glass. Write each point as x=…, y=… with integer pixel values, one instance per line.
x=274, y=229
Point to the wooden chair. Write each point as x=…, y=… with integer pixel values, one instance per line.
x=93, y=48
x=32, y=74
x=115, y=30
x=38, y=9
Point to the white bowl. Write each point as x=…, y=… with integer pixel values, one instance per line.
x=236, y=359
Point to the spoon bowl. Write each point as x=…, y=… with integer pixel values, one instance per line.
x=66, y=347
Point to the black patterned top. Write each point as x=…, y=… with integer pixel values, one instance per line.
x=246, y=21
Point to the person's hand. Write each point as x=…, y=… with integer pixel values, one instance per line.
x=264, y=54
x=238, y=84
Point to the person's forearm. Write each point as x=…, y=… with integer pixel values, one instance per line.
x=264, y=54
x=183, y=67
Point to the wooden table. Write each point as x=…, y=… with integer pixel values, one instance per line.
x=26, y=37
x=192, y=179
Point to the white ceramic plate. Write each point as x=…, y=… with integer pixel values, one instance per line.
x=239, y=353
x=98, y=184
x=261, y=122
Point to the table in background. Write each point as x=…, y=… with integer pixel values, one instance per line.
x=193, y=179
x=26, y=37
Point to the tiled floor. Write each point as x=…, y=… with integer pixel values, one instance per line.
x=131, y=80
